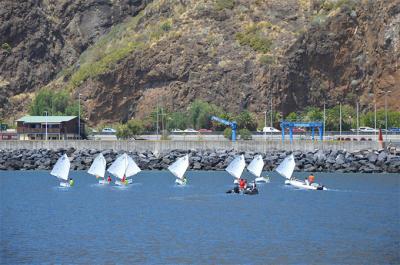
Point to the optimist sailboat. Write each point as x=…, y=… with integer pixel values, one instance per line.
x=123, y=166
x=98, y=168
x=178, y=168
x=236, y=167
x=286, y=168
x=61, y=171
x=255, y=167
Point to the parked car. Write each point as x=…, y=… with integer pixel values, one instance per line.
x=190, y=130
x=108, y=130
x=270, y=129
x=365, y=129
x=296, y=130
x=396, y=130
x=204, y=130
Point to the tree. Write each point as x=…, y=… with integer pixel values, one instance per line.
x=349, y=119
x=135, y=127
x=123, y=131
x=292, y=116
x=228, y=133
x=199, y=114
x=245, y=134
x=177, y=120
x=246, y=120
x=219, y=126
x=312, y=114
x=54, y=103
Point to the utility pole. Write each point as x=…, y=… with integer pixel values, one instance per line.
x=157, y=122
x=386, y=118
x=375, y=115
x=265, y=125
x=46, y=125
x=323, y=128
x=271, y=122
x=79, y=116
x=357, y=106
x=340, y=120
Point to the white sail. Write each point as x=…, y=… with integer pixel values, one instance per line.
x=61, y=168
x=256, y=166
x=286, y=168
x=123, y=166
x=132, y=168
x=179, y=167
x=236, y=167
x=118, y=167
x=98, y=166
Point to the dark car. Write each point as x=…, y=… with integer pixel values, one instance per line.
x=396, y=130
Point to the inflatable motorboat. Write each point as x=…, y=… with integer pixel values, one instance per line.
x=302, y=185
x=247, y=191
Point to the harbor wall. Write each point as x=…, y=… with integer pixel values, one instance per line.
x=166, y=146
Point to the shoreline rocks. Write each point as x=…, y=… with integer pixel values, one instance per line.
x=365, y=161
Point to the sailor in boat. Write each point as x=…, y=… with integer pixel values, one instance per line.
x=124, y=180
x=311, y=179
x=109, y=179
x=242, y=184
x=306, y=181
x=184, y=179
x=71, y=182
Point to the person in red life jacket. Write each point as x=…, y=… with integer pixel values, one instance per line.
x=311, y=179
x=123, y=179
x=109, y=179
x=242, y=184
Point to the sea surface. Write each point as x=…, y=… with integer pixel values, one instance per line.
x=153, y=221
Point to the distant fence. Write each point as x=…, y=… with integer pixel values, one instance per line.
x=165, y=146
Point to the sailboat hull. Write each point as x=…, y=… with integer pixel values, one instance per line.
x=263, y=180
x=180, y=182
x=301, y=185
x=65, y=184
x=120, y=183
x=103, y=182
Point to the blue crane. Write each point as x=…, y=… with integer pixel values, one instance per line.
x=233, y=125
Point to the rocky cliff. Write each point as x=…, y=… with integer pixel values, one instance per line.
x=125, y=57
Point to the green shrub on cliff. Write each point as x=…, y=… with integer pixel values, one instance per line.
x=5, y=46
x=253, y=36
x=224, y=4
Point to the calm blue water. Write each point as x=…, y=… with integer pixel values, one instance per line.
x=154, y=222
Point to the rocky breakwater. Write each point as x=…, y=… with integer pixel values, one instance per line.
x=367, y=161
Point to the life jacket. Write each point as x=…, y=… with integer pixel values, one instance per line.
x=311, y=179
x=242, y=184
x=71, y=182
x=109, y=179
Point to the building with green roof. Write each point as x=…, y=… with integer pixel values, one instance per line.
x=50, y=128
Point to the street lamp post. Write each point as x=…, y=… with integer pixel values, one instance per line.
x=386, y=118
x=265, y=125
x=340, y=120
x=79, y=116
x=357, y=119
x=46, y=125
x=323, y=128
x=271, y=122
